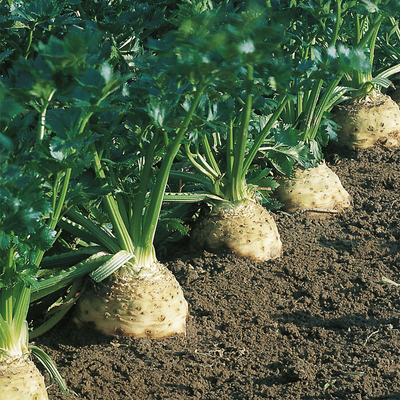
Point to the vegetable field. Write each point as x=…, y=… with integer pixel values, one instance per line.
x=199, y=199
x=319, y=323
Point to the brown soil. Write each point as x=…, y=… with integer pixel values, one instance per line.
x=318, y=323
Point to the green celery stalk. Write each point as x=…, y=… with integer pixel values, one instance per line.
x=152, y=212
x=238, y=186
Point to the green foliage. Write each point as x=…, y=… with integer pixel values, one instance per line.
x=25, y=23
x=220, y=42
x=283, y=150
x=67, y=83
x=56, y=94
x=363, y=27
x=23, y=207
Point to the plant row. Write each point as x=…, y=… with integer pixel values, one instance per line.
x=126, y=125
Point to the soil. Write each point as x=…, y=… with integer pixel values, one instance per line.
x=321, y=322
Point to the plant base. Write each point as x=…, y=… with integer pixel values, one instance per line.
x=246, y=228
x=21, y=380
x=315, y=191
x=373, y=120
x=150, y=305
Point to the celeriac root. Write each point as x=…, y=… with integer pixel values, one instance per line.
x=150, y=305
x=21, y=380
x=246, y=228
x=373, y=120
x=317, y=192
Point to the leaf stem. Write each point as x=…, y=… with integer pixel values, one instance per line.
x=56, y=214
x=120, y=229
x=210, y=156
x=140, y=198
x=95, y=230
x=237, y=183
x=202, y=165
x=42, y=117
x=311, y=129
x=229, y=151
x=6, y=293
x=257, y=144
x=338, y=23
x=152, y=212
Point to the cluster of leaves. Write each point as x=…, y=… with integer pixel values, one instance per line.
x=64, y=102
x=219, y=45
x=332, y=45
x=365, y=27
x=61, y=88
x=23, y=208
x=51, y=95
x=124, y=25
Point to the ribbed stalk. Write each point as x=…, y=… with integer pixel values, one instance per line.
x=153, y=211
x=120, y=229
x=238, y=184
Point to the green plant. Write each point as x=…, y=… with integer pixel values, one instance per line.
x=127, y=145
x=297, y=83
x=134, y=209
x=62, y=87
x=237, y=115
x=363, y=34
x=323, y=62
x=24, y=235
x=369, y=117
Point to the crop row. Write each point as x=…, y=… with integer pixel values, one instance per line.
x=126, y=125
